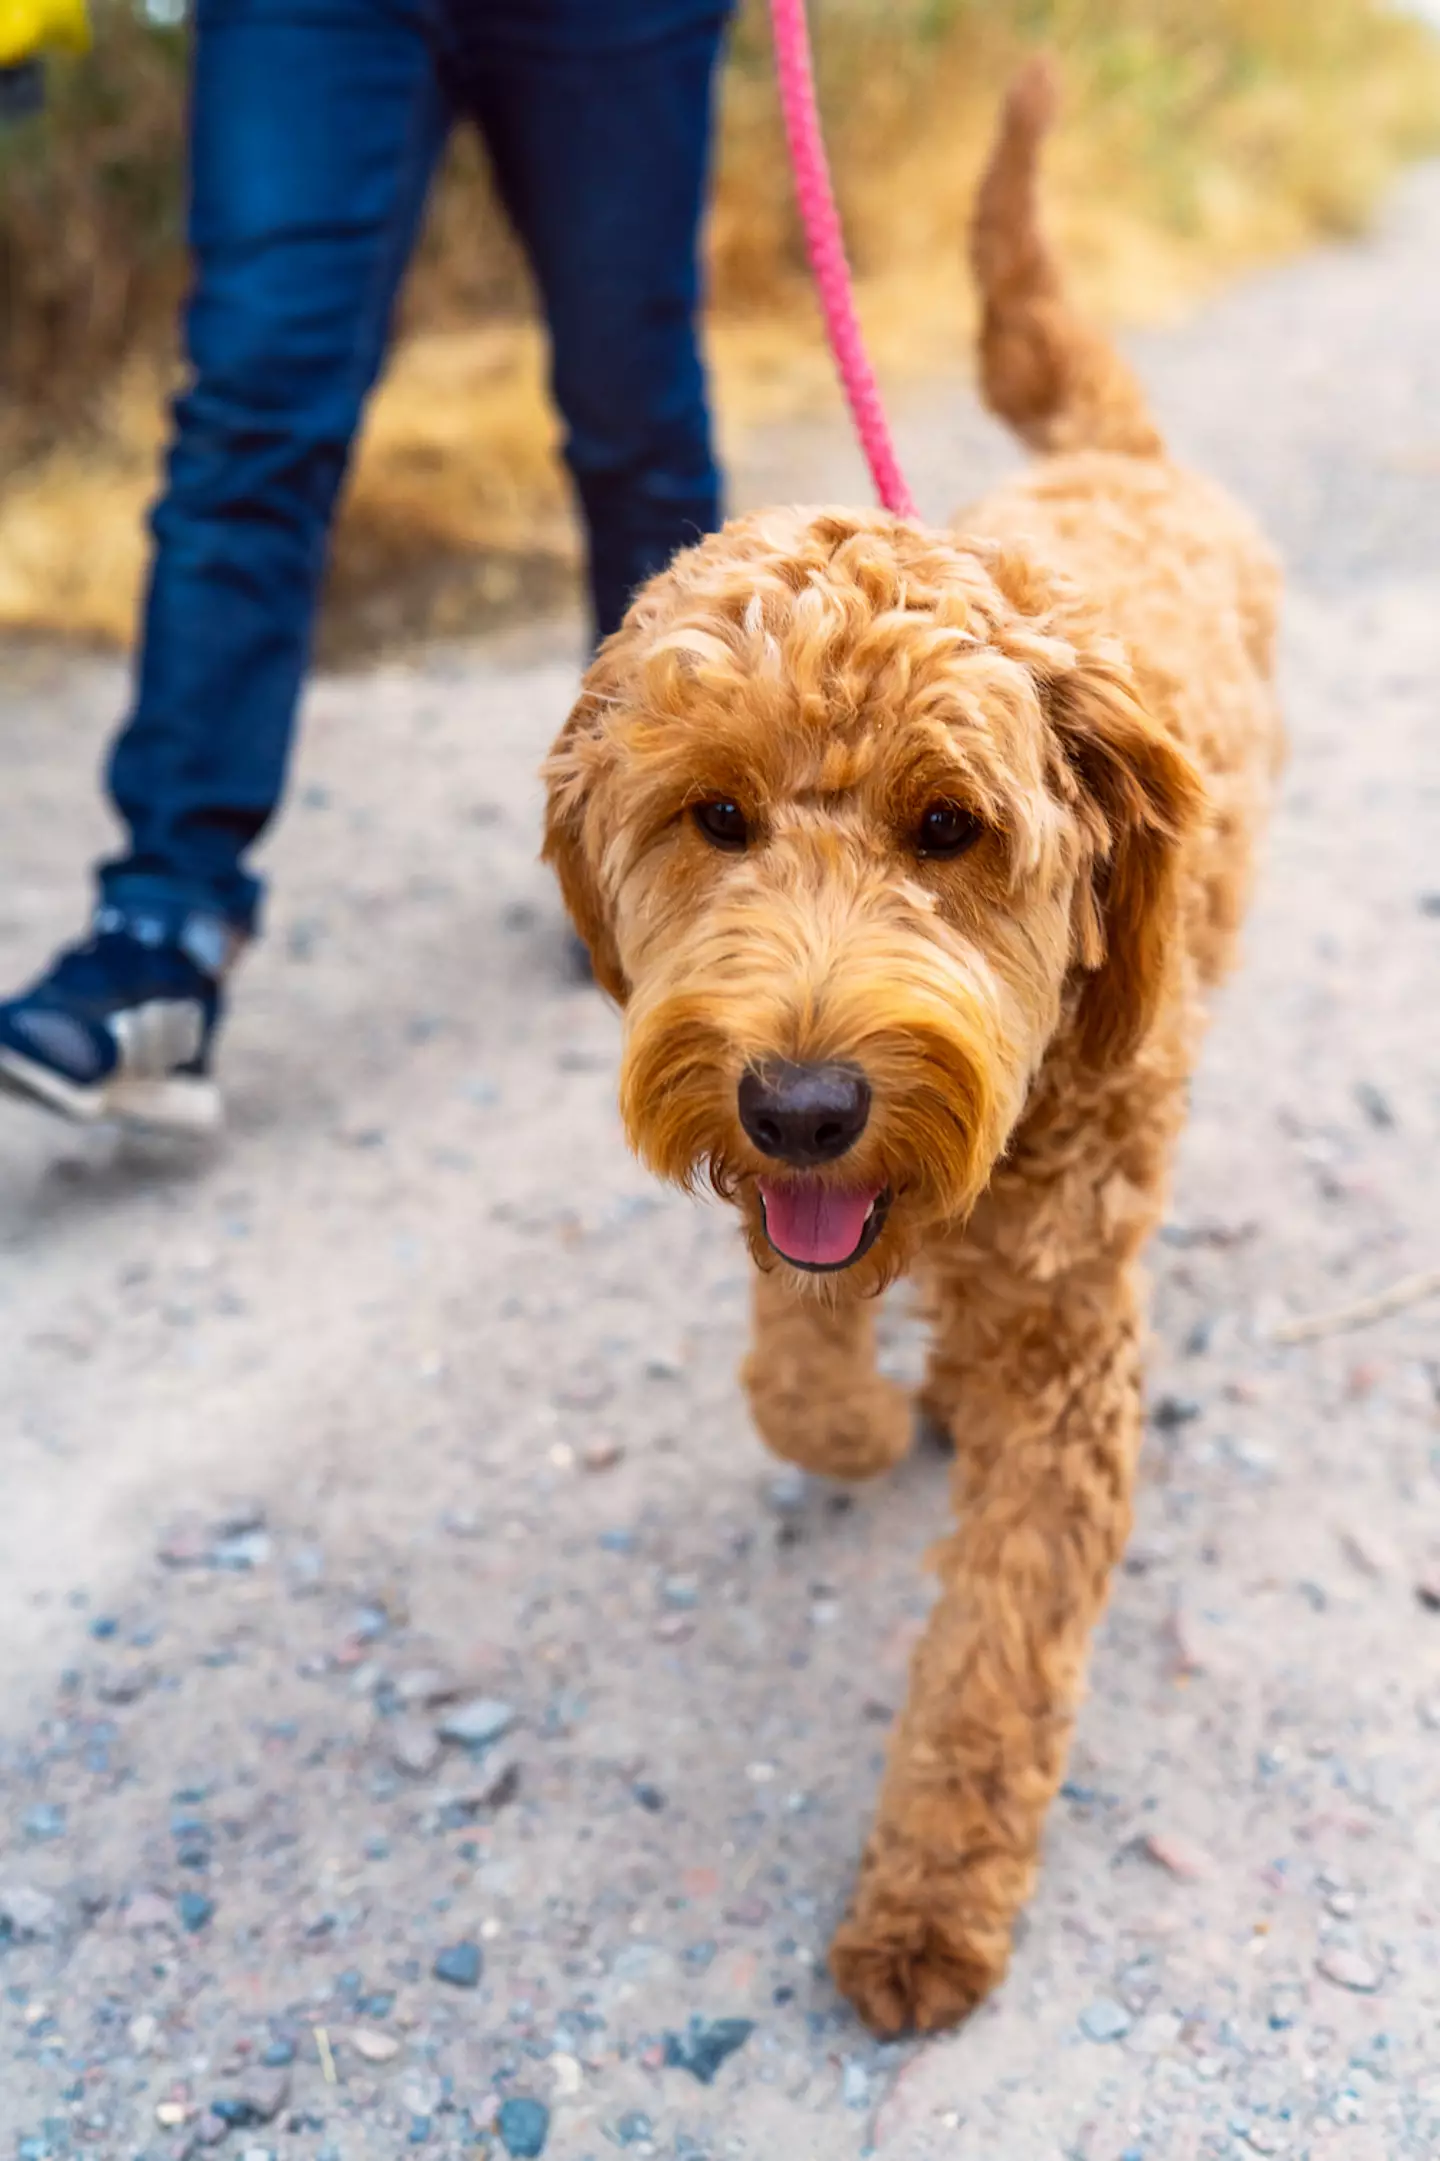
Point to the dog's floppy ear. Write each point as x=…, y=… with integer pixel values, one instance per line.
x=1139, y=796
x=573, y=841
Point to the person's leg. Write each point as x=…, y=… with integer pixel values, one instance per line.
x=316, y=126
x=602, y=158
x=315, y=129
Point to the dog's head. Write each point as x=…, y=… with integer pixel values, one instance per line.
x=855, y=819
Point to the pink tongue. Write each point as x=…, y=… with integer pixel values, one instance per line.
x=819, y=1224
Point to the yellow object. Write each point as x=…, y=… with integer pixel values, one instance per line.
x=30, y=27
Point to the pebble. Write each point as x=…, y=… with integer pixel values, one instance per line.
x=148, y=1909
x=1427, y=1589
x=585, y=1394
x=1375, y=1104
x=634, y=2126
x=373, y=2047
x=855, y=2085
x=413, y=1746
x=747, y=1912
x=1187, y=1657
x=1156, y=2034
x=1187, y=1862
x=478, y=1722
x=245, y=1550
x=524, y=2127
x=786, y=1492
x=423, y=1687
x=567, y=2072
x=184, y=1543
x=258, y=2100
x=601, y=1455
x=705, y=2044
x=460, y=1964
x=1369, y=1551
x=1349, y=1969
x=44, y=1821
x=498, y=1784
x=305, y=1566
x=1167, y=1413
x=1104, y=2020
x=463, y=1523
x=27, y=1911
x=240, y=1517
x=266, y=2091
x=195, y=1910
x=124, y=1684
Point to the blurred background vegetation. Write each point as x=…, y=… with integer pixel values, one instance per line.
x=1200, y=135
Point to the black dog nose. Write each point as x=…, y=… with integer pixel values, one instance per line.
x=804, y=1114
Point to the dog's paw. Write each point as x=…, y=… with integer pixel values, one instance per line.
x=915, y=1969
x=856, y=1436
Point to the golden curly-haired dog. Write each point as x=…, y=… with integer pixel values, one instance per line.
x=910, y=856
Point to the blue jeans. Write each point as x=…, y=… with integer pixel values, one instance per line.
x=316, y=128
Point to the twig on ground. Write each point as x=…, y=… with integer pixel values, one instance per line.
x=327, y=2059
x=1409, y=1291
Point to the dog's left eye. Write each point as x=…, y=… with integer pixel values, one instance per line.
x=723, y=823
x=947, y=830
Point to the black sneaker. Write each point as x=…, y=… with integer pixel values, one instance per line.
x=122, y=1027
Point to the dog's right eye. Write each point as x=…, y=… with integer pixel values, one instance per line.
x=947, y=830
x=723, y=823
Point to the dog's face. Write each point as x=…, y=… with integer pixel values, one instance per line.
x=854, y=820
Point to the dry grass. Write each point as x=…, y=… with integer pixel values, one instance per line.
x=1201, y=137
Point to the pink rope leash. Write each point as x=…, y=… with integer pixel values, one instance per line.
x=825, y=245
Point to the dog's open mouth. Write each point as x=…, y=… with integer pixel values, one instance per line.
x=818, y=1226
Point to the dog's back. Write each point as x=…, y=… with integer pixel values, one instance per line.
x=1178, y=568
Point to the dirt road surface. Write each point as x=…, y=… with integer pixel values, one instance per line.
x=428, y=1396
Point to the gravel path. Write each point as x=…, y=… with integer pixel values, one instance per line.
x=419, y=1698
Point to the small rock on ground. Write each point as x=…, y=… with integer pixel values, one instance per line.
x=524, y=2127
x=460, y=1964
x=705, y=2044
x=478, y=1722
x=1104, y=2020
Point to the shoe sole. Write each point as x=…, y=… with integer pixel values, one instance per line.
x=184, y=1104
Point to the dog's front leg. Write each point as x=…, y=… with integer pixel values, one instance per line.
x=1045, y=1455
x=815, y=1395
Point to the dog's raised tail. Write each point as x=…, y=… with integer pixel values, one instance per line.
x=1057, y=380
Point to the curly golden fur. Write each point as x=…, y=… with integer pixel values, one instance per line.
x=1080, y=679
